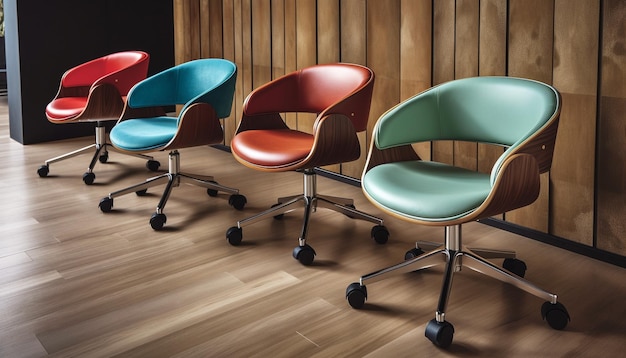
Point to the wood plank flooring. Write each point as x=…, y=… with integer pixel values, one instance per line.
x=75, y=282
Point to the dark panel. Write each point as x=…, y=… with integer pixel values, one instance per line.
x=54, y=36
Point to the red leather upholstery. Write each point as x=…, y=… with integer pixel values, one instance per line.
x=120, y=70
x=65, y=107
x=264, y=142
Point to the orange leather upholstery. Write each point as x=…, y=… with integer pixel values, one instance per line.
x=340, y=95
x=263, y=141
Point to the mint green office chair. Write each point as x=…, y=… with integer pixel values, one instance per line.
x=205, y=89
x=520, y=115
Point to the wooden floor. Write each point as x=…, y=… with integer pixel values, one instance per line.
x=75, y=282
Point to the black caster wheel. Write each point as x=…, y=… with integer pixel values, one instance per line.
x=104, y=157
x=43, y=171
x=157, y=221
x=153, y=165
x=212, y=192
x=142, y=192
x=515, y=266
x=106, y=204
x=237, y=201
x=234, y=235
x=380, y=234
x=356, y=294
x=413, y=253
x=305, y=254
x=555, y=314
x=440, y=333
x=88, y=178
x=279, y=216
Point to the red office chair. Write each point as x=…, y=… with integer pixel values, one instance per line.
x=96, y=91
x=340, y=94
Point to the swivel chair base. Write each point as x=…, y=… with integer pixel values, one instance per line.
x=171, y=180
x=455, y=256
x=311, y=201
x=101, y=147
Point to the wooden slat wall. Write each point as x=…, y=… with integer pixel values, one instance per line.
x=611, y=156
x=414, y=44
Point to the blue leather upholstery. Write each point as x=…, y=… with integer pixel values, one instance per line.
x=142, y=134
x=205, y=88
x=209, y=81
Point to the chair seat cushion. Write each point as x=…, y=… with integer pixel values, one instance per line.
x=143, y=134
x=272, y=149
x=65, y=108
x=427, y=191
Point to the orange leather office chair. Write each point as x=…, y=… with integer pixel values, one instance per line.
x=340, y=94
x=205, y=89
x=95, y=91
x=520, y=115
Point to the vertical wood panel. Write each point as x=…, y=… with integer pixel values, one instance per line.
x=328, y=47
x=187, y=31
x=246, y=41
x=278, y=38
x=491, y=62
x=466, y=65
x=353, y=30
x=230, y=124
x=611, y=185
x=261, y=43
x=239, y=60
x=576, y=33
x=206, y=28
x=215, y=25
x=443, y=63
x=306, y=49
x=531, y=24
x=291, y=49
x=383, y=54
x=416, y=54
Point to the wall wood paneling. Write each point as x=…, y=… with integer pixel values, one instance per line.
x=576, y=45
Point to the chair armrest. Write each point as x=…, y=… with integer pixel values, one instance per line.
x=198, y=125
x=335, y=141
x=104, y=102
x=517, y=185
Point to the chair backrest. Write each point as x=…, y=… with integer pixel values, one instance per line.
x=210, y=80
x=505, y=111
x=122, y=70
x=339, y=88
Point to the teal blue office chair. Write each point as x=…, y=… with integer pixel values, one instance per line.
x=520, y=115
x=205, y=89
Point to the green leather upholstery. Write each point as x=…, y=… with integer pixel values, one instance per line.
x=497, y=110
x=520, y=115
x=426, y=190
